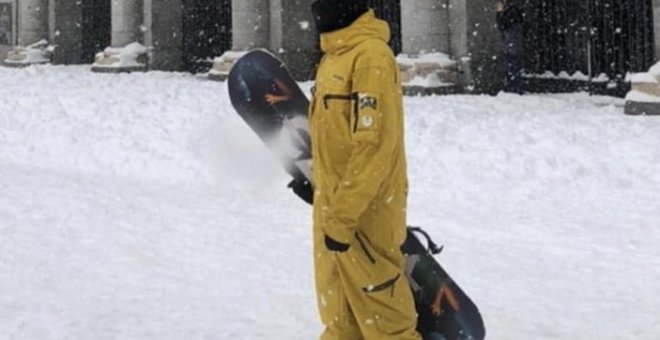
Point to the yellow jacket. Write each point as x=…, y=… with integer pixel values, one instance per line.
x=356, y=123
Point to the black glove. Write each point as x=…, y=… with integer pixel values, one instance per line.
x=333, y=245
x=302, y=188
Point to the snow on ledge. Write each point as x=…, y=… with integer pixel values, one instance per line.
x=122, y=57
x=230, y=56
x=441, y=59
x=641, y=97
x=432, y=80
x=642, y=78
x=222, y=64
x=37, y=53
x=563, y=75
x=431, y=70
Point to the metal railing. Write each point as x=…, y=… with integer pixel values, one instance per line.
x=594, y=37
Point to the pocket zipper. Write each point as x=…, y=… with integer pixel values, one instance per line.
x=349, y=97
x=365, y=250
x=385, y=285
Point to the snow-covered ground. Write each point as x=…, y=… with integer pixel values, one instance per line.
x=141, y=207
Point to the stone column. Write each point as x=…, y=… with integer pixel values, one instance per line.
x=425, y=26
x=474, y=42
x=250, y=24
x=164, y=33
x=32, y=21
x=656, y=27
x=126, y=22
x=295, y=39
x=66, y=31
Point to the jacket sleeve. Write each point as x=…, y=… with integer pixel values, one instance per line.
x=374, y=123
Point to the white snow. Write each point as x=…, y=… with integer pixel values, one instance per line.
x=441, y=59
x=140, y=206
x=127, y=56
x=563, y=75
x=37, y=53
x=304, y=25
x=642, y=78
x=655, y=70
x=643, y=97
x=431, y=80
x=229, y=56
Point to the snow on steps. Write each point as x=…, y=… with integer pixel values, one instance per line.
x=130, y=58
x=644, y=97
x=37, y=53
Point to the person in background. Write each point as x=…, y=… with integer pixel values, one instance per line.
x=509, y=22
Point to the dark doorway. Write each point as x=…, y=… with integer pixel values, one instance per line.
x=390, y=11
x=6, y=24
x=96, y=28
x=206, y=32
x=603, y=39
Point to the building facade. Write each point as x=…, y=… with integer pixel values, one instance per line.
x=185, y=35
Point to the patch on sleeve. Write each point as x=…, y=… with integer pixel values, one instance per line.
x=367, y=101
x=366, y=118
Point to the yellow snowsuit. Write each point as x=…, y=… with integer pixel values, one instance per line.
x=359, y=171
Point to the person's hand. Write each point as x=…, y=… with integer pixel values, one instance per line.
x=499, y=6
x=272, y=99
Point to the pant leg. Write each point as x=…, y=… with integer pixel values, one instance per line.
x=513, y=73
x=345, y=328
x=334, y=309
x=378, y=293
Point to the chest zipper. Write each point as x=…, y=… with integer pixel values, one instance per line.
x=349, y=97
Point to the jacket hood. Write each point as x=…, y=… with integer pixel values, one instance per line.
x=365, y=27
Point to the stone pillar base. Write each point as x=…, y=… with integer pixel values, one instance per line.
x=35, y=54
x=644, y=97
x=634, y=108
x=428, y=74
x=223, y=64
x=131, y=58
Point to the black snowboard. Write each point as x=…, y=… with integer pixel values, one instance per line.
x=265, y=95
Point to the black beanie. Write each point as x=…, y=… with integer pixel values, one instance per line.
x=332, y=15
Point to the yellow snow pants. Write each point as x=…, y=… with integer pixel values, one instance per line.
x=363, y=294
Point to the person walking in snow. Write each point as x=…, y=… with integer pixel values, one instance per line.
x=509, y=22
x=360, y=180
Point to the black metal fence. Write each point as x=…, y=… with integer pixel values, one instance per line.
x=595, y=37
x=390, y=11
x=206, y=32
x=622, y=38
